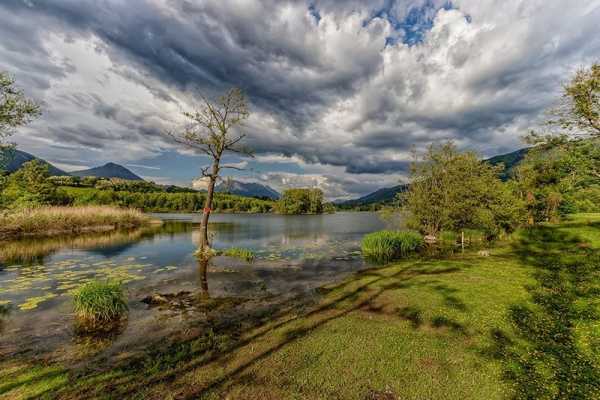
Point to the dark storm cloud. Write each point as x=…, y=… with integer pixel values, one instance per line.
x=349, y=83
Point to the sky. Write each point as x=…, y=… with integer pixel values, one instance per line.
x=341, y=92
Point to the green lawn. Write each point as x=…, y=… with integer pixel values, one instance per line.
x=521, y=323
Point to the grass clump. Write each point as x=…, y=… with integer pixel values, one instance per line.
x=385, y=246
x=47, y=221
x=99, y=302
x=244, y=254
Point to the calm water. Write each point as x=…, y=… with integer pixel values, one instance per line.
x=295, y=254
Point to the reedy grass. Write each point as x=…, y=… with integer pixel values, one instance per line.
x=46, y=221
x=244, y=254
x=386, y=246
x=99, y=302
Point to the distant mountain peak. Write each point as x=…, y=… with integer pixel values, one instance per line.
x=20, y=157
x=248, y=189
x=108, y=170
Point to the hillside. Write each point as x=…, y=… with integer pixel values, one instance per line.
x=510, y=161
x=109, y=170
x=248, y=189
x=20, y=157
x=385, y=195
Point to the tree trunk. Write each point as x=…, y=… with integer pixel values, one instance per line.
x=202, y=278
x=204, y=245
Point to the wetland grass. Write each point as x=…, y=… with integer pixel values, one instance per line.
x=47, y=221
x=386, y=246
x=99, y=302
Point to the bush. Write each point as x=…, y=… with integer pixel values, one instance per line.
x=237, y=252
x=99, y=302
x=385, y=246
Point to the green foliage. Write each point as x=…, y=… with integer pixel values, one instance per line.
x=386, y=246
x=559, y=176
x=30, y=187
x=301, y=201
x=580, y=108
x=237, y=252
x=454, y=190
x=167, y=202
x=99, y=302
x=15, y=109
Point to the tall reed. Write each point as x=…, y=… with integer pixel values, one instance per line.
x=386, y=246
x=47, y=221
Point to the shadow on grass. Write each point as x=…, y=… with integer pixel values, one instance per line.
x=225, y=343
x=546, y=361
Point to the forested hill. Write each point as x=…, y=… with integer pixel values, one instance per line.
x=248, y=189
x=387, y=195
x=18, y=158
x=109, y=170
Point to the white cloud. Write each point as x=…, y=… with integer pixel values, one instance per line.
x=331, y=95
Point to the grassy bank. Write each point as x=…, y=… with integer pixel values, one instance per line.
x=519, y=323
x=48, y=221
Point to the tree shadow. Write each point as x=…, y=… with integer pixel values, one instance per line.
x=412, y=314
x=224, y=343
x=546, y=360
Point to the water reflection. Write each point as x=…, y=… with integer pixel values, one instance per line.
x=294, y=254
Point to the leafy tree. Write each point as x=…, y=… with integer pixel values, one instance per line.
x=212, y=131
x=556, y=173
x=452, y=190
x=15, y=110
x=301, y=201
x=580, y=106
x=30, y=187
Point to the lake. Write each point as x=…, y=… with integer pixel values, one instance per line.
x=295, y=255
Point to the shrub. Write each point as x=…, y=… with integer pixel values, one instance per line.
x=385, y=246
x=99, y=302
x=237, y=252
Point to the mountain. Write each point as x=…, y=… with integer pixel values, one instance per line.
x=248, y=189
x=379, y=196
x=510, y=161
x=109, y=170
x=20, y=157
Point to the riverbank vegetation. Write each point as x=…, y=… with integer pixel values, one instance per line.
x=49, y=220
x=386, y=246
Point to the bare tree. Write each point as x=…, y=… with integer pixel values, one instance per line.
x=212, y=131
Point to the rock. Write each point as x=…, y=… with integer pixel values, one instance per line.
x=155, y=299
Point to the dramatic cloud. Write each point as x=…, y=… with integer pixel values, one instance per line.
x=341, y=91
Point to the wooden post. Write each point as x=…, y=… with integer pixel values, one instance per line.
x=462, y=240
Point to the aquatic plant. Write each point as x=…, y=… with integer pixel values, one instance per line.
x=46, y=221
x=244, y=254
x=385, y=246
x=99, y=302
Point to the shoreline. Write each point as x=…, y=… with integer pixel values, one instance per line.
x=68, y=220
